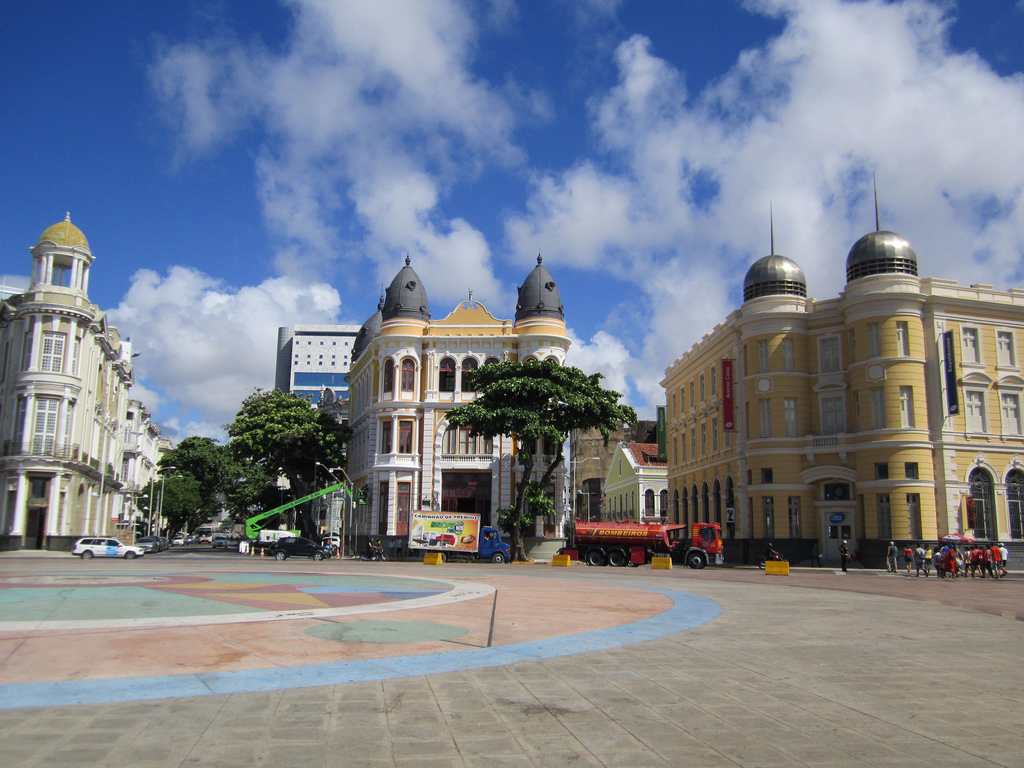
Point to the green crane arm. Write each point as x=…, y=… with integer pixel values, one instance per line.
x=252, y=524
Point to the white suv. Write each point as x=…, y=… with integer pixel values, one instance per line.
x=97, y=547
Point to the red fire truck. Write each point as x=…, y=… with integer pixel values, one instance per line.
x=621, y=544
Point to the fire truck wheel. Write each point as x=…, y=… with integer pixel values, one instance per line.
x=617, y=558
x=595, y=557
x=696, y=560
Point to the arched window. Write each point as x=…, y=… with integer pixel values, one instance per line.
x=716, y=495
x=675, y=506
x=491, y=361
x=446, y=380
x=684, y=518
x=705, y=504
x=981, y=505
x=649, y=503
x=663, y=504
x=730, y=504
x=468, y=364
x=408, y=375
x=552, y=359
x=389, y=376
x=694, y=504
x=1015, y=503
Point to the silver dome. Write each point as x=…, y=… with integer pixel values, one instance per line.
x=406, y=296
x=881, y=252
x=368, y=332
x=774, y=275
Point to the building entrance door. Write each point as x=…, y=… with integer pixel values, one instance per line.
x=838, y=527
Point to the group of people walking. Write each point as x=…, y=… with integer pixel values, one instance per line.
x=986, y=561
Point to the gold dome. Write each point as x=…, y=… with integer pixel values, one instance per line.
x=64, y=233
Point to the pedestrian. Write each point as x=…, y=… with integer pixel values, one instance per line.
x=890, y=557
x=844, y=555
x=815, y=555
x=1004, y=558
x=908, y=558
x=919, y=560
x=929, y=556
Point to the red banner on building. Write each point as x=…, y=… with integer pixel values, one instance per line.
x=727, y=416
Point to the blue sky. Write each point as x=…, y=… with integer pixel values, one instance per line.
x=238, y=166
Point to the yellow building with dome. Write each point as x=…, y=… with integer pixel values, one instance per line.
x=407, y=371
x=889, y=413
x=64, y=379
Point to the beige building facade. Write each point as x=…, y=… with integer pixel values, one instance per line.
x=892, y=412
x=407, y=371
x=64, y=379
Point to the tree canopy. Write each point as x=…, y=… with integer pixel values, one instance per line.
x=539, y=403
x=284, y=435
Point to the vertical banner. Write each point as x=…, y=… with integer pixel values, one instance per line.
x=662, y=429
x=729, y=424
x=949, y=367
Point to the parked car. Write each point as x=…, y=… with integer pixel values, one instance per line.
x=89, y=548
x=219, y=540
x=149, y=543
x=178, y=540
x=294, y=546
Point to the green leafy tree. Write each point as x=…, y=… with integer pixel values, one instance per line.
x=537, y=404
x=254, y=490
x=284, y=435
x=208, y=466
x=182, y=503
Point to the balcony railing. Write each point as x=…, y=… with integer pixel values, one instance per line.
x=44, y=448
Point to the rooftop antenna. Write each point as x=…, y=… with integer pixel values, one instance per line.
x=878, y=226
x=771, y=224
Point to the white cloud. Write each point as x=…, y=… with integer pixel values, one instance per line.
x=205, y=346
x=603, y=354
x=370, y=107
x=678, y=202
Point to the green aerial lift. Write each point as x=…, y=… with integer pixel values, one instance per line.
x=253, y=527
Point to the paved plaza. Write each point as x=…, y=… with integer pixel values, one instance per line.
x=195, y=660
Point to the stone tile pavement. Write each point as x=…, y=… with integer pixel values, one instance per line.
x=814, y=670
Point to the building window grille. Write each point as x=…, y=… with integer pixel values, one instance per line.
x=446, y=380
x=703, y=439
x=1015, y=503
x=53, y=353
x=884, y=516
x=768, y=503
x=408, y=375
x=767, y=475
x=1011, y=414
x=468, y=365
x=878, y=408
x=972, y=353
x=703, y=398
x=787, y=355
x=714, y=381
x=975, y=402
x=762, y=356
x=907, y=407
x=910, y=470
x=903, y=338
x=828, y=353
x=405, y=428
x=874, y=340
x=714, y=435
x=981, y=505
x=385, y=436
x=1004, y=347
x=389, y=376
x=789, y=405
x=766, y=417
x=881, y=471
x=833, y=418
x=914, y=515
x=794, y=518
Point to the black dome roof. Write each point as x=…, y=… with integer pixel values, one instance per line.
x=539, y=296
x=368, y=332
x=406, y=296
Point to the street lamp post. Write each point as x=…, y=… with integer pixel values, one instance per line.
x=160, y=513
x=575, y=474
x=348, y=503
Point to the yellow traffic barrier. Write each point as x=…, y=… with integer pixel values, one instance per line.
x=776, y=568
x=563, y=560
x=432, y=558
x=661, y=563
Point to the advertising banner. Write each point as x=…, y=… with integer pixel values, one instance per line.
x=949, y=368
x=453, y=531
x=728, y=422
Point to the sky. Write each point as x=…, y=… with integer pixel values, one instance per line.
x=241, y=165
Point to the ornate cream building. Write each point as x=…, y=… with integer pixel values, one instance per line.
x=64, y=379
x=407, y=371
x=892, y=412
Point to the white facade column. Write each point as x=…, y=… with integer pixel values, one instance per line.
x=20, y=508
x=53, y=510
